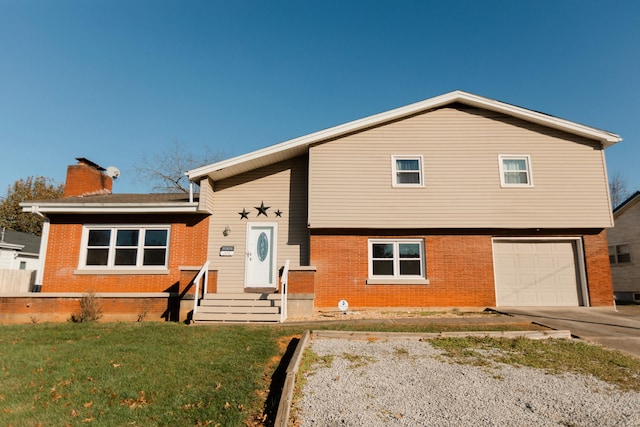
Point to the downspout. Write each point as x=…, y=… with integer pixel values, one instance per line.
x=44, y=240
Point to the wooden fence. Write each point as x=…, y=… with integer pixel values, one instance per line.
x=16, y=281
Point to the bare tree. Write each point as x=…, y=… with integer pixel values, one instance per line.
x=165, y=171
x=24, y=190
x=617, y=189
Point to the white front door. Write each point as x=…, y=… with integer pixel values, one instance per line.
x=260, y=264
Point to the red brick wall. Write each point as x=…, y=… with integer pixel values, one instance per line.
x=459, y=269
x=40, y=308
x=301, y=282
x=598, y=269
x=188, y=246
x=83, y=179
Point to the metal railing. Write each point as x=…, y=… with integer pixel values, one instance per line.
x=283, y=291
x=203, y=275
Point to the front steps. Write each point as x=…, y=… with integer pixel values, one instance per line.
x=239, y=307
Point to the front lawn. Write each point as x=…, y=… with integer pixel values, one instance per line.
x=144, y=374
x=160, y=374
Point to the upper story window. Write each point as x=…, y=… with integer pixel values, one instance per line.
x=407, y=171
x=619, y=254
x=515, y=171
x=398, y=259
x=125, y=247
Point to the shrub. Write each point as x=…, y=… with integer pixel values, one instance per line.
x=90, y=308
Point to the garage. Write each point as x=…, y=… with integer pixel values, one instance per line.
x=536, y=273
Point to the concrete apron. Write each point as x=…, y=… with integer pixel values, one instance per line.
x=614, y=328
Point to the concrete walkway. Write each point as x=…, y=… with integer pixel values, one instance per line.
x=618, y=329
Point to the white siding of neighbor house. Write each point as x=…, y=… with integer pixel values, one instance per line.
x=281, y=186
x=350, y=182
x=626, y=276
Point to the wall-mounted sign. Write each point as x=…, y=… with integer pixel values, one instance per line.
x=226, y=250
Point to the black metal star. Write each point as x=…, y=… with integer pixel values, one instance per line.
x=262, y=210
x=244, y=214
x=278, y=213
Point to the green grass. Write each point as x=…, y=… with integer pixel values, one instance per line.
x=133, y=374
x=553, y=356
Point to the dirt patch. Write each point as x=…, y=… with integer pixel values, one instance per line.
x=418, y=313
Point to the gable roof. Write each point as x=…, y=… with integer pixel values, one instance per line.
x=630, y=201
x=17, y=240
x=298, y=146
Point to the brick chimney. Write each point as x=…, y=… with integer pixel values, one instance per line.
x=87, y=178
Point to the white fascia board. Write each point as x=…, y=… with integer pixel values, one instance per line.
x=606, y=138
x=111, y=208
x=297, y=145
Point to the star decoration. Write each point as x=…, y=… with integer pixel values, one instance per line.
x=244, y=214
x=262, y=210
x=278, y=213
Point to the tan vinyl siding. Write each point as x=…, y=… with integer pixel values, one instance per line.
x=626, y=276
x=206, y=195
x=350, y=181
x=283, y=187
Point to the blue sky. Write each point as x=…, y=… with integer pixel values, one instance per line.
x=117, y=81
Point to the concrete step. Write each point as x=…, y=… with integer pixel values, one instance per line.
x=241, y=296
x=238, y=303
x=238, y=310
x=235, y=317
x=239, y=307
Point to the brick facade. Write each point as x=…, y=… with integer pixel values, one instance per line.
x=459, y=269
x=598, y=269
x=187, y=246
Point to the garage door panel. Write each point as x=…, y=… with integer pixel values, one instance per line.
x=535, y=274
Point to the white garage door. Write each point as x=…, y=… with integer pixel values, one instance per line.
x=535, y=273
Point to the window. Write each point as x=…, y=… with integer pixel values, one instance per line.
x=396, y=259
x=23, y=265
x=125, y=247
x=619, y=254
x=407, y=171
x=515, y=171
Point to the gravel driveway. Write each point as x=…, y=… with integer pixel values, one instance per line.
x=405, y=383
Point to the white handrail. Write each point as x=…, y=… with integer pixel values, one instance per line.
x=283, y=292
x=202, y=274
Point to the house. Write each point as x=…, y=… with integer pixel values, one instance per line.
x=18, y=260
x=456, y=201
x=624, y=245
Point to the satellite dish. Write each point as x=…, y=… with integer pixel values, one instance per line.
x=343, y=306
x=113, y=172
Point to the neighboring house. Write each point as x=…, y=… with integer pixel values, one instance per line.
x=18, y=251
x=456, y=201
x=624, y=247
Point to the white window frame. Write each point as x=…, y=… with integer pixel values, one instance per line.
x=397, y=278
x=394, y=176
x=82, y=265
x=526, y=158
x=616, y=254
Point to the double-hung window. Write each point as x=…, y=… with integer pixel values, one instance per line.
x=619, y=254
x=396, y=259
x=407, y=171
x=515, y=171
x=125, y=247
